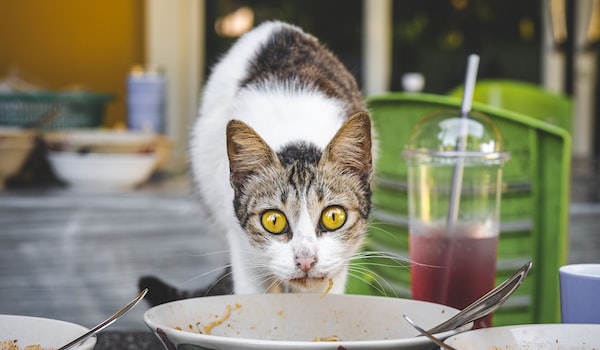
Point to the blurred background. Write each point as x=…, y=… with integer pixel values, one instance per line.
x=93, y=46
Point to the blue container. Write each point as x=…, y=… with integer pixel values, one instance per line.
x=580, y=293
x=146, y=105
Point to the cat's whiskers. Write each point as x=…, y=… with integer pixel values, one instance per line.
x=366, y=257
x=362, y=263
x=260, y=267
x=374, y=279
x=375, y=226
x=275, y=285
x=218, y=252
x=218, y=280
x=359, y=274
x=210, y=272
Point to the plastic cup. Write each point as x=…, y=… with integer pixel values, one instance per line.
x=453, y=257
x=580, y=293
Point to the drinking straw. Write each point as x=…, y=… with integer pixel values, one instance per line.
x=465, y=109
x=457, y=174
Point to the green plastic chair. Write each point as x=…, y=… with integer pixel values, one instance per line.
x=534, y=207
x=527, y=98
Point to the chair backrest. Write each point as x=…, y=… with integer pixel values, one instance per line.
x=523, y=97
x=534, y=207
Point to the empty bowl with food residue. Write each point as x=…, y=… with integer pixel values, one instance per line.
x=295, y=321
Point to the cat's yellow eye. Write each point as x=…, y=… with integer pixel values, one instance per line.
x=274, y=221
x=333, y=217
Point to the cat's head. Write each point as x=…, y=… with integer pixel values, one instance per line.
x=304, y=209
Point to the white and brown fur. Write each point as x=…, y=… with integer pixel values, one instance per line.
x=283, y=126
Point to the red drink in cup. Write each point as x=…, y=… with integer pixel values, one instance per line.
x=453, y=271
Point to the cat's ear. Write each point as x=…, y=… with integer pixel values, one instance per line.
x=247, y=151
x=351, y=146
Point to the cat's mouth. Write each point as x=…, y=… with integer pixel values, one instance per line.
x=307, y=282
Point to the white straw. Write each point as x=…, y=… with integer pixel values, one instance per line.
x=465, y=109
x=470, y=79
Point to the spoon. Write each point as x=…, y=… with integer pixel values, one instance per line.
x=428, y=335
x=486, y=304
x=125, y=309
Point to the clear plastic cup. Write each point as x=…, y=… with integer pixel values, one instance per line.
x=454, y=204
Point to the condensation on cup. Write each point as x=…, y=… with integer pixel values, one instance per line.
x=146, y=100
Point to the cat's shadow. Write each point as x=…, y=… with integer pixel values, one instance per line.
x=160, y=292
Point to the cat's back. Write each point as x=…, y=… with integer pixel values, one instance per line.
x=277, y=71
x=227, y=74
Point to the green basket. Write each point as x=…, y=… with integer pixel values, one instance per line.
x=47, y=110
x=534, y=208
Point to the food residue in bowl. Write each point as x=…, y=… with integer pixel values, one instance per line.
x=12, y=345
x=208, y=328
x=330, y=338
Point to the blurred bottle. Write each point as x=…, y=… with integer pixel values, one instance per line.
x=146, y=95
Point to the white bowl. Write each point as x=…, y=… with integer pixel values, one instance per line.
x=48, y=333
x=294, y=321
x=531, y=337
x=102, y=172
x=15, y=147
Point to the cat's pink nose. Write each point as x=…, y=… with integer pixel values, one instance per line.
x=305, y=263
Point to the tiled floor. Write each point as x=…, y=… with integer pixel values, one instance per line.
x=78, y=256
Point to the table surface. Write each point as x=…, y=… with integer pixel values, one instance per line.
x=115, y=340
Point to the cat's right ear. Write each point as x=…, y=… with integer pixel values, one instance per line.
x=247, y=152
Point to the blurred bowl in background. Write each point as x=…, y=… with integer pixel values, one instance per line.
x=21, y=331
x=15, y=147
x=103, y=171
x=110, y=142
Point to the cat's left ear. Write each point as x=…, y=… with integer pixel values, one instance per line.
x=247, y=152
x=351, y=146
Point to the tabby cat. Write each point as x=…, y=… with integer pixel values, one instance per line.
x=281, y=156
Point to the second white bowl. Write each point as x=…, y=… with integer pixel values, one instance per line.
x=102, y=172
x=48, y=333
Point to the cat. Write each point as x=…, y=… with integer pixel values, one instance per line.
x=281, y=157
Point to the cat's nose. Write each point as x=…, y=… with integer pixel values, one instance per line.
x=305, y=263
